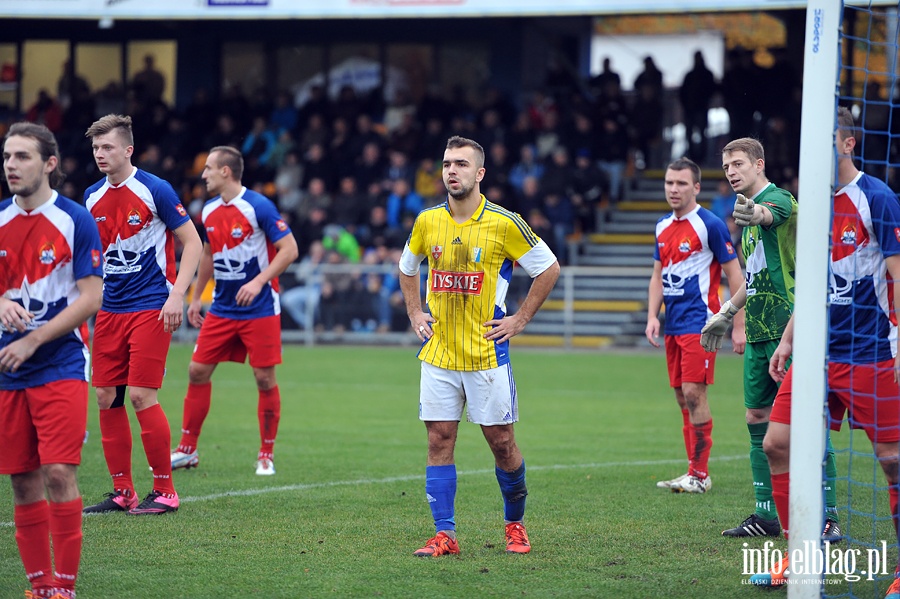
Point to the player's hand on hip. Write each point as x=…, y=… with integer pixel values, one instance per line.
x=503, y=329
x=247, y=293
x=13, y=317
x=744, y=211
x=172, y=313
x=421, y=324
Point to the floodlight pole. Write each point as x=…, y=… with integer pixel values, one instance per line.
x=817, y=125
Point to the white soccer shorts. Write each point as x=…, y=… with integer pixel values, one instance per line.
x=489, y=396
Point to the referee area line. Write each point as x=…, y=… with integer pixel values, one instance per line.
x=396, y=479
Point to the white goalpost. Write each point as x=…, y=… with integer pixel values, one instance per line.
x=816, y=187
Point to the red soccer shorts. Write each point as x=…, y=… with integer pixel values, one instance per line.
x=229, y=340
x=42, y=425
x=130, y=349
x=867, y=392
x=688, y=362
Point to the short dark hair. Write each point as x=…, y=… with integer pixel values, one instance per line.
x=112, y=122
x=230, y=157
x=683, y=164
x=846, y=123
x=47, y=146
x=461, y=142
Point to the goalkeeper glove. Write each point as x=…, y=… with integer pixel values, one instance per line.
x=713, y=334
x=745, y=214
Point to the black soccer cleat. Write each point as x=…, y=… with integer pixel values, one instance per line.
x=754, y=526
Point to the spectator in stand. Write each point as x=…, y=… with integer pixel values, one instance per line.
x=651, y=76
x=377, y=232
x=587, y=187
x=582, y=137
x=111, y=100
x=398, y=167
x=428, y=182
x=200, y=115
x=364, y=135
x=285, y=143
x=317, y=165
x=287, y=184
x=738, y=81
x=404, y=138
x=284, y=113
x=550, y=135
x=148, y=84
x=497, y=167
x=402, y=201
x=521, y=133
x=338, y=291
x=348, y=208
x=646, y=124
x=347, y=106
x=225, y=133
x=599, y=82
x=314, y=133
x=339, y=143
x=316, y=103
x=316, y=196
x=432, y=140
x=695, y=94
x=557, y=173
x=301, y=302
x=557, y=207
x=527, y=166
x=45, y=111
x=257, y=149
x=491, y=129
x=235, y=104
x=529, y=198
x=370, y=166
x=612, y=158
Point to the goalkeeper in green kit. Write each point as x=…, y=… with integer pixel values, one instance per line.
x=768, y=216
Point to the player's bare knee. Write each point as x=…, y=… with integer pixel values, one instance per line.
x=758, y=415
x=776, y=448
x=60, y=481
x=889, y=460
x=199, y=374
x=265, y=378
x=142, y=398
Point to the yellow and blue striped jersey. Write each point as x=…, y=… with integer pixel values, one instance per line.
x=470, y=268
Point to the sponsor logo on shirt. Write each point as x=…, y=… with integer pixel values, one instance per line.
x=119, y=261
x=468, y=283
x=100, y=219
x=456, y=241
x=839, y=290
x=437, y=251
x=47, y=254
x=848, y=235
x=673, y=284
x=226, y=267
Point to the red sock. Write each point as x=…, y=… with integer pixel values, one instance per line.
x=157, y=438
x=699, y=463
x=892, y=493
x=33, y=538
x=269, y=413
x=65, y=528
x=780, y=493
x=686, y=431
x=196, y=408
x=115, y=435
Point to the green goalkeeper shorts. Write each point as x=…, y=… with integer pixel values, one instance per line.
x=759, y=388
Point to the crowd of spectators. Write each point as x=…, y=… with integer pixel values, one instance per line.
x=350, y=173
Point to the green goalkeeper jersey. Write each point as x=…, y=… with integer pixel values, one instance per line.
x=770, y=253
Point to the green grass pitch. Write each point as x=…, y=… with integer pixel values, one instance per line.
x=346, y=508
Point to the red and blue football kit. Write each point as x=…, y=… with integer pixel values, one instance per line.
x=863, y=330
x=43, y=253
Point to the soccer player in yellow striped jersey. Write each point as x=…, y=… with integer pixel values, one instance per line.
x=471, y=246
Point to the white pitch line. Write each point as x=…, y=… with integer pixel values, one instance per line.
x=409, y=477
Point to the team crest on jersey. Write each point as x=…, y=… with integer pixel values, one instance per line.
x=47, y=254
x=236, y=231
x=180, y=209
x=729, y=248
x=476, y=254
x=437, y=251
x=897, y=233
x=685, y=246
x=848, y=235
x=134, y=218
x=282, y=226
x=2, y=253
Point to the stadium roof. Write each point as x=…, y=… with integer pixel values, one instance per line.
x=311, y=9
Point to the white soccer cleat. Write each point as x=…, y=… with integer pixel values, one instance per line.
x=265, y=467
x=692, y=484
x=668, y=484
x=184, y=460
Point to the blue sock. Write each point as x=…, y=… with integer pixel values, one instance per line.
x=512, y=486
x=440, y=490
